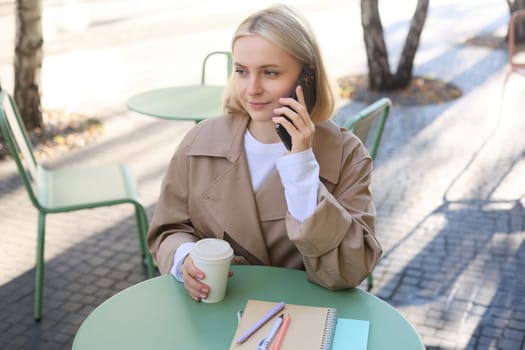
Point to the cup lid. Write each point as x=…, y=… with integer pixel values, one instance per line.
x=212, y=249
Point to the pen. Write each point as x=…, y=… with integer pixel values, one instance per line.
x=265, y=342
x=282, y=332
x=259, y=323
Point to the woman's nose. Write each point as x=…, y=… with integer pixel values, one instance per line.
x=254, y=86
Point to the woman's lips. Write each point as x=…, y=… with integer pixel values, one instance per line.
x=258, y=105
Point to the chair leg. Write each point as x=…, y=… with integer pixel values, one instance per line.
x=39, y=269
x=370, y=281
x=142, y=226
x=142, y=229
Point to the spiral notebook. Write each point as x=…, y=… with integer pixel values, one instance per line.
x=310, y=328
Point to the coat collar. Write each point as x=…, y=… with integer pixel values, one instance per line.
x=328, y=150
x=225, y=137
x=219, y=137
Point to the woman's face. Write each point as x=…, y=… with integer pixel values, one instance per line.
x=263, y=73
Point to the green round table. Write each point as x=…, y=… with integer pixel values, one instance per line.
x=158, y=313
x=191, y=102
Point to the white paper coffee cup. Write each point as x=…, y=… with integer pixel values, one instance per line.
x=213, y=257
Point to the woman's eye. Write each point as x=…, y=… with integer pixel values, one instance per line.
x=240, y=71
x=271, y=73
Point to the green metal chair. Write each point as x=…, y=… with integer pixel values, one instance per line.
x=229, y=62
x=65, y=190
x=372, y=117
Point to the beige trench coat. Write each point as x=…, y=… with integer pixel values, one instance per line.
x=207, y=192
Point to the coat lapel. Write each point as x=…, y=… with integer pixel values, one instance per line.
x=238, y=213
x=229, y=198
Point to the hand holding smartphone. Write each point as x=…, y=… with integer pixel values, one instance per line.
x=307, y=81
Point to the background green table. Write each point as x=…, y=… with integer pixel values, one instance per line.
x=158, y=314
x=191, y=102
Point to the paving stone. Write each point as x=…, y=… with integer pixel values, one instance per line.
x=487, y=342
x=508, y=344
x=517, y=325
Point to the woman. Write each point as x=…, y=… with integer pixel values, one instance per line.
x=232, y=178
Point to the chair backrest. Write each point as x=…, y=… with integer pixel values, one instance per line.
x=18, y=142
x=372, y=117
x=229, y=62
x=518, y=66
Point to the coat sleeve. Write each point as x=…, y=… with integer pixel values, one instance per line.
x=171, y=225
x=337, y=242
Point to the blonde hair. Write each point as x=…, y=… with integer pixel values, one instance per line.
x=286, y=28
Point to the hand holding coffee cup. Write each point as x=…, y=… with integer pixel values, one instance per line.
x=213, y=257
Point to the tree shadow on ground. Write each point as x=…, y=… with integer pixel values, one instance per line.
x=465, y=278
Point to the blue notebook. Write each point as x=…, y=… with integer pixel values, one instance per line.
x=350, y=334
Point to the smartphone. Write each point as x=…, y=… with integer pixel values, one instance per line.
x=307, y=81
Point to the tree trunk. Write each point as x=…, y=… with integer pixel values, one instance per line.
x=519, y=30
x=520, y=23
x=379, y=75
x=28, y=61
x=404, y=69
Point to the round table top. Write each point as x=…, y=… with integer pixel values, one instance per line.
x=190, y=102
x=159, y=314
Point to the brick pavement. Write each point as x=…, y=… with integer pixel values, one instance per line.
x=448, y=187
